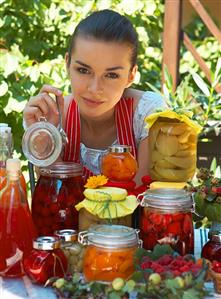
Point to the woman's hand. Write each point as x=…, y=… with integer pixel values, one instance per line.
x=44, y=105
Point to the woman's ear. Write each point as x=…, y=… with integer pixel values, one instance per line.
x=67, y=62
x=132, y=75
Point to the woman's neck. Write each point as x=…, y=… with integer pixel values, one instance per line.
x=98, y=133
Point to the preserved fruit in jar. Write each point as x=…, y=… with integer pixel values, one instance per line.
x=46, y=260
x=110, y=252
x=212, y=249
x=58, y=190
x=167, y=219
x=172, y=151
x=119, y=164
x=73, y=250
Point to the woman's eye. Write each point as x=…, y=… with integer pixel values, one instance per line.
x=112, y=76
x=83, y=70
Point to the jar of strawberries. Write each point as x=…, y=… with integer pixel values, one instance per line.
x=166, y=218
x=58, y=190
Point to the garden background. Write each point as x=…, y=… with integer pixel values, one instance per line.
x=33, y=40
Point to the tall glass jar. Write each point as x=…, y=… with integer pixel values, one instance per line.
x=46, y=260
x=212, y=249
x=73, y=250
x=118, y=164
x=58, y=190
x=172, y=150
x=166, y=218
x=109, y=253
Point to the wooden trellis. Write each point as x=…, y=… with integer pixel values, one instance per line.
x=173, y=35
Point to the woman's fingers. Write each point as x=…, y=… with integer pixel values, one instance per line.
x=51, y=89
x=45, y=105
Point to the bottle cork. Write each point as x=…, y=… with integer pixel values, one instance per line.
x=13, y=165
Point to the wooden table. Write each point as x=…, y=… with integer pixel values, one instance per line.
x=23, y=288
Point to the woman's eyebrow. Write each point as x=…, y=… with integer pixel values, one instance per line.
x=108, y=69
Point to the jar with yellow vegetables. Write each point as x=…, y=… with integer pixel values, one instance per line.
x=73, y=250
x=109, y=253
x=106, y=205
x=173, y=145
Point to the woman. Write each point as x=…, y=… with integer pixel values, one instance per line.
x=101, y=110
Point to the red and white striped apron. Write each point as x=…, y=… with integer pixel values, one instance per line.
x=124, y=125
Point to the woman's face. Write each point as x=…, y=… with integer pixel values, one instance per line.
x=99, y=72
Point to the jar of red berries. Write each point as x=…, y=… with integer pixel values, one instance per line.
x=58, y=190
x=166, y=218
x=212, y=249
x=45, y=260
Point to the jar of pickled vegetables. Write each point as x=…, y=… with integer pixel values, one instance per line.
x=166, y=218
x=172, y=145
x=45, y=260
x=73, y=250
x=109, y=252
x=212, y=249
x=59, y=188
x=118, y=164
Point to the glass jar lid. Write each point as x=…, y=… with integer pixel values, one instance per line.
x=120, y=149
x=62, y=170
x=46, y=243
x=67, y=235
x=110, y=236
x=42, y=143
x=167, y=199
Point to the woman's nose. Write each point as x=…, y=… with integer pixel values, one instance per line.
x=95, y=85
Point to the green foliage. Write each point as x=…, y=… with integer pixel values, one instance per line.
x=33, y=40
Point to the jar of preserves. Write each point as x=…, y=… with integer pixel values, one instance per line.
x=59, y=188
x=118, y=164
x=73, y=250
x=109, y=253
x=45, y=260
x=212, y=249
x=166, y=218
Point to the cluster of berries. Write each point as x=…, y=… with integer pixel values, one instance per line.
x=168, y=264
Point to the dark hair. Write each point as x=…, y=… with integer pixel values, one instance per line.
x=107, y=25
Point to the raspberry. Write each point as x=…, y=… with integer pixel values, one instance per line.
x=165, y=260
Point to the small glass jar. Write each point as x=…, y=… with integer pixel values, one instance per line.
x=109, y=253
x=172, y=151
x=46, y=260
x=166, y=218
x=58, y=190
x=73, y=250
x=212, y=249
x=118, y=164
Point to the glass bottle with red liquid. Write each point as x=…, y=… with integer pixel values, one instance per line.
x=58, y=190
x=6, y=149
x=16, y=226
x=167, y=219
x=45, y=260
x=212, y=249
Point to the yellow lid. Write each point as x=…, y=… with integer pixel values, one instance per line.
x=175, y=185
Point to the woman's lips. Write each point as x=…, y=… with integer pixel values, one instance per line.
x=92, y=103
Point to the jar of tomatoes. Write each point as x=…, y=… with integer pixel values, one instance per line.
x=109, y=252
x=118, y=164
x=166, y=218
x=45, y=260
x=212, y=249
x=73, y=250
x=58, y=190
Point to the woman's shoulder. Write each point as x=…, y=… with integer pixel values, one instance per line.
x=144, y=98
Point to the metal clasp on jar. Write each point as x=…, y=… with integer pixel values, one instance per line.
x=83, y=237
